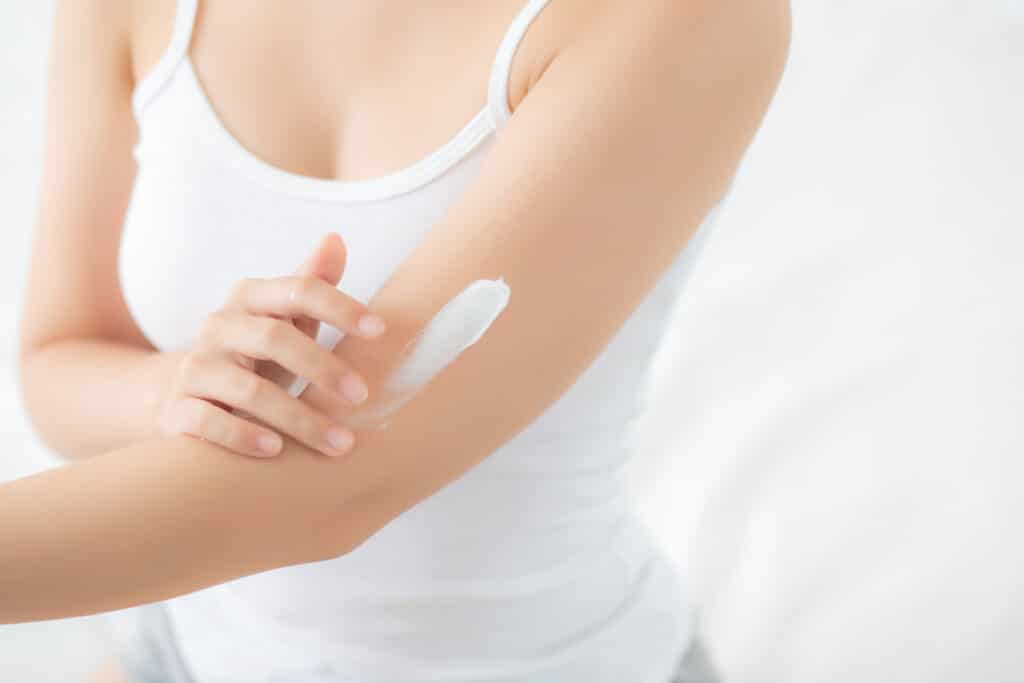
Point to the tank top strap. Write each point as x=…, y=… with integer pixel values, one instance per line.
x=497, y=89
x=176, y=50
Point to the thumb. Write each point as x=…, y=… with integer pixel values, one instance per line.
x=327, y=261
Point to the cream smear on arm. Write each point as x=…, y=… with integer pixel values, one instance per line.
x=458, y=325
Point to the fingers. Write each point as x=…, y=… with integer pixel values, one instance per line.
x=308, y=326
x=307, y=296
x=327, y=262
x=203, y=419
x=280, y=342
x=213, y=378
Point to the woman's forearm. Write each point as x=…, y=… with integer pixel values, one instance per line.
x=156, y=519
x=87, y=397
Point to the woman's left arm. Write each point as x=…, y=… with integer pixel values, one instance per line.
x=591, y=191
x=609, y=166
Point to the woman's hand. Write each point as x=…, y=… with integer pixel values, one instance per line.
x=250, y=351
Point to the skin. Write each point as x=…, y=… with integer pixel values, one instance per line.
x=248, y=353
x=638, y=122
x=76, y=331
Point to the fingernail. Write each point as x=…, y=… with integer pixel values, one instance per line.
x=354, y=389
x=340, y=439
x=371, y=325
x=269, y=443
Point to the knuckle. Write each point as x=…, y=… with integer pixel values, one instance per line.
x=308, y=426
x=335, y=364
x=322, y=370
x=332, y=373
x=306, y=292
x=168, y=420
x=323, y=299
x=253, y=389
x=273, y=332
x=211, y=324
x=204, y=420
x=191, y=365
x=303, y=286
x=220, y=429
x=341, y=305
x=231, y=434
x=348, y=311
x=240, y=289
x=354, y=307
x=296, y=419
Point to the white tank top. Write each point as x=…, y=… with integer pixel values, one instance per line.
x=533, y=566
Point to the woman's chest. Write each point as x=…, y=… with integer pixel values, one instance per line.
x=194, y=228
x=329, y=90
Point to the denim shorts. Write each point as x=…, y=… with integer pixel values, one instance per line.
x=150, y=653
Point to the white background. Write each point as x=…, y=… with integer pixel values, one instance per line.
x=833, y=453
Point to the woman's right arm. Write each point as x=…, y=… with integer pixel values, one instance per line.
x=90, y=380
x=89, y=377
x=174, y=515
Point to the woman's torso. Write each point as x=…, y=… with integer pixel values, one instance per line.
x=327, y=89
x=532, y=566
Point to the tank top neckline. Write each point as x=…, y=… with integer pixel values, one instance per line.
x=378, y=187
x=176, y=61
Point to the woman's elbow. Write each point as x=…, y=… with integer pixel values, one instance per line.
x=37, y=407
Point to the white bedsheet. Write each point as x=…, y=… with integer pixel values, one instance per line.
x=845, y=392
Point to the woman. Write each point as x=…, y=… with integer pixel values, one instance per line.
x=484, y=534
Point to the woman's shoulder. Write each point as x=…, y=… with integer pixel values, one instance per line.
x=730, y=20
x=138, y=30
x=728, y=43
x=729, y=33
x=147, y=26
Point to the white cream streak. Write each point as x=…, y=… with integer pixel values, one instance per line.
x=452, y=330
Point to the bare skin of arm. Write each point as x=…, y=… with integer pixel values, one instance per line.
x=595, y=186
x=76, y=332
x=90, y=380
